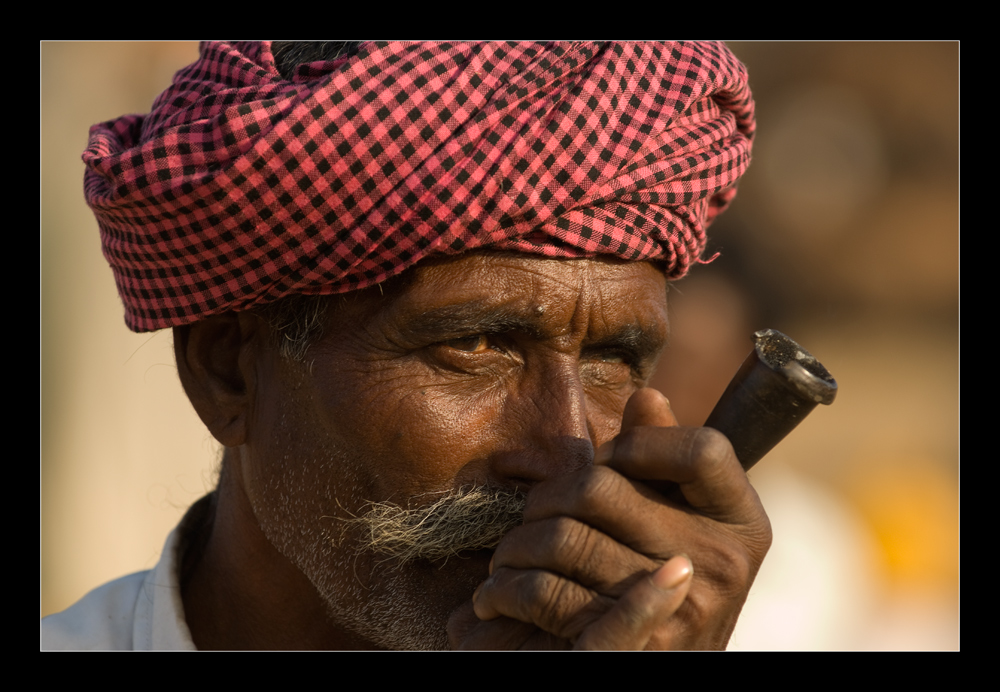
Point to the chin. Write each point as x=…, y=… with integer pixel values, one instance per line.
x=405, y=607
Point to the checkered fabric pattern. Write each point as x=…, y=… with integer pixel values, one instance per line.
x=241, y=187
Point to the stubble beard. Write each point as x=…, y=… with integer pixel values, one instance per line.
x=377, y=571
x=417, y=555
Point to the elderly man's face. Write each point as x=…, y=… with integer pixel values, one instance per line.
x=488, y=370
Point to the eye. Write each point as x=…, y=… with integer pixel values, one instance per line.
x=610, y=369
x=476, y=353
x=477, y=343
x=612, y=357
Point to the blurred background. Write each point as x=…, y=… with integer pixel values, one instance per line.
x=844, y=236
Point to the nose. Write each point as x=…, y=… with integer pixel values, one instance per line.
x=546, y=429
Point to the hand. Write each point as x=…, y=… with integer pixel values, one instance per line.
x=604, y=559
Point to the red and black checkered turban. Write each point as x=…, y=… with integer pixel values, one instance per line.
x=241, y=187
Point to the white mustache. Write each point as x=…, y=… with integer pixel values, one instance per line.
x=472, y=518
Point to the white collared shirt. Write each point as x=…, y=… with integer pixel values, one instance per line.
x=140, y=612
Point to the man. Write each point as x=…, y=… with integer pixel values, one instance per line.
x=416, y=291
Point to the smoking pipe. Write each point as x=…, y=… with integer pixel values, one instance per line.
x=773, y=391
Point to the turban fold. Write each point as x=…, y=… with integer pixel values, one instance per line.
x=241, y=187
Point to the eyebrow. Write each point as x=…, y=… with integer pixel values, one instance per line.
x=468, y=318
x=632, y=338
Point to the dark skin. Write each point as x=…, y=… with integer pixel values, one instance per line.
x=495, y=369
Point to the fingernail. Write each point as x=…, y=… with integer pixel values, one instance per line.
x=673, y=574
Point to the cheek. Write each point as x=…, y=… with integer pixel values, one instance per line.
x=423, y=430
x=297, y=480
x=604, y=413
x=419, y=434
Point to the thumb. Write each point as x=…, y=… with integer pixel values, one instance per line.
x=644, y=608
x=647, y=407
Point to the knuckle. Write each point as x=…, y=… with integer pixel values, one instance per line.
x=711, y=450
x=573, y=541
x=536, y=587
x=594, y=488
x=735, y=569
x=540, y=594
x=763, y=535
x=731, y=569
x=554, y=604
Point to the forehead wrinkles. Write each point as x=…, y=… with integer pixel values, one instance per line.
x=572, y=298
x=559, y=295
x=639, y=297
x=593, y=298
x=579, y=302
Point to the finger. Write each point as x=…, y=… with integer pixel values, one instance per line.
x=599, y=528
x=628, y=511
x=547, y=600
x=700, y=460
x=575, y=550
x=467, y=632
x=646, y=607
x=647, y=407
x=630, y=497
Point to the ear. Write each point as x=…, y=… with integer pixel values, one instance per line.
x=216, y=361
